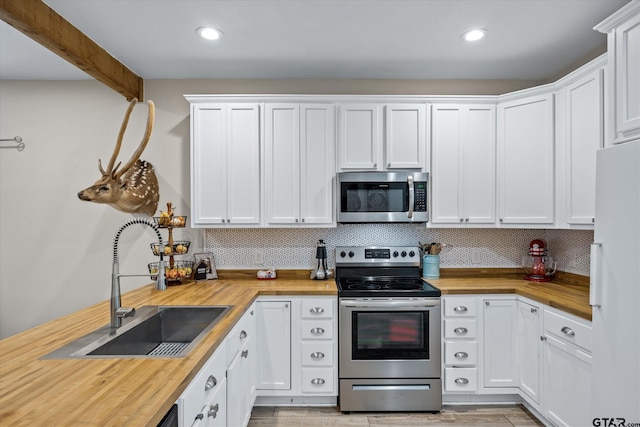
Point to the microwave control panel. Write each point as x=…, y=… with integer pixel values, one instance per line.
x=420, y=191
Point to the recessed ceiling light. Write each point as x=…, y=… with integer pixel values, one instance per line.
x=209, y=33
x=474, y=35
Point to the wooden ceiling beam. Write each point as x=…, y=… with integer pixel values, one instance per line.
x=41, y=23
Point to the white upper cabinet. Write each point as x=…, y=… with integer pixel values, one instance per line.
x=405, y=136
x=299, y=164
x=526, y=160
x=359, y=136
x=463, y=164
x=623, y=50
x=225, y=164
x=580, y=135
x=377, y=136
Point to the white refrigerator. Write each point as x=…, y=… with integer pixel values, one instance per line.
x=615, y=285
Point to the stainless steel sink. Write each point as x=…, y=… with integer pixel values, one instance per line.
x=154, y=332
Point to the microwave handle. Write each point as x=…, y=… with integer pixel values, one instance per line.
x=411, y=196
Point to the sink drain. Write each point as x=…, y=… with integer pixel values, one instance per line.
x=168, y=349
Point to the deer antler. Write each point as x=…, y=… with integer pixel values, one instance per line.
x=116, y=151
x=143, y=144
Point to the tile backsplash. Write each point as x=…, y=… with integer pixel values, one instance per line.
x=294, y=248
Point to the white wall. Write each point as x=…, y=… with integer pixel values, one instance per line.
x=56, y=251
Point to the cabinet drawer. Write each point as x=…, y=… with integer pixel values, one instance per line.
x=321, y=308
x=319, y=380
x=567, y=329
x=460, y=328
x=317, y=329
x=461, y=379
x=460, y=353
x=207, y=382
x=317, y=354
x=459, y=306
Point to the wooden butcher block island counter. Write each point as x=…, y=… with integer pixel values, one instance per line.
x=139, y=391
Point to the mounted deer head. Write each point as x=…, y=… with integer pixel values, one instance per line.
x=134, y=188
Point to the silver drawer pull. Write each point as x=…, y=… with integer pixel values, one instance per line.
x=317, y=355
x=211, y=383
x=462, y=381
x=244, y=354
x=534, y=310
x=213, y=410
x=317, y=381
x=568, y=331
x=460, y=309
x=316, y=310
x=317, y=331
x=243, y=335
x=461, y=355
x=460, y=330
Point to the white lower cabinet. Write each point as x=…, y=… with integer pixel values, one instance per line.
x=567, y=369
x=526, y=351
x=530, y=348
x=499, y=342
x=207, y=389
x=300, y=362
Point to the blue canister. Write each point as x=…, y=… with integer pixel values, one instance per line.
x=431, y=266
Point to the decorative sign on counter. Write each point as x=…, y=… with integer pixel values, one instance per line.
x=205, y=266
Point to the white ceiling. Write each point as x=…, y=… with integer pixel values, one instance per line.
x=386, y=39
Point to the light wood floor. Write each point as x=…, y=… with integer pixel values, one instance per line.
x=468, y=416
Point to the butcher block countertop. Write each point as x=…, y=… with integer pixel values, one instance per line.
x=138, y=392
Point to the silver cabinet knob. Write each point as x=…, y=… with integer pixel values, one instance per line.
x=213, y=410
x=243, y=335
x=568, y=331
x=316, y=310
x=211, y=383
x=317, y=381
x=461, y=355
x=317, y=331
x=460, y=309
x=466, y=220
x=245, y=353
x=534, y=310
x=317, y=355
x=461, y=381
x=460, y=330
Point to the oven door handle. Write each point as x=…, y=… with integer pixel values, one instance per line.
x=389, y=303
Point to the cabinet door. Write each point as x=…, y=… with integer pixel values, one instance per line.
x=214, y=412
x=499, y=338
x=447, y=133
x=274, y=340
x=360, y=137
x=584, y=136
x=526, y=161
x=627, y=78
x=405, y=136
x=282, y=163
x=479, y=165
x=530, y=350
x=317, y=159
x=208, y=164
x=243, y=164
x=237, y=394
x=567, y=380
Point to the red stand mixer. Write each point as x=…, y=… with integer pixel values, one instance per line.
x=537, y=265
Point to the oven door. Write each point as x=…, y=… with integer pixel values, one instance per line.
x=389, y=338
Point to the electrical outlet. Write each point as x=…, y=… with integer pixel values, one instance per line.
x=258, y=257
x=476, y=256
x=572, y=260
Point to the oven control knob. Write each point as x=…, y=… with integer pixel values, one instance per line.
x=395, y=254
x=412, y=254
x=343, y=254
x=404, y=254
x=351, y=254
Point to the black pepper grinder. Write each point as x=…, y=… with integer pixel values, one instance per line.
x=321, y=256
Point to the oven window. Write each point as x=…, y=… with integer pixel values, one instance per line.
x=375, y=197
x=385, y=335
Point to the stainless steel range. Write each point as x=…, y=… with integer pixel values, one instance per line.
x=389, y=331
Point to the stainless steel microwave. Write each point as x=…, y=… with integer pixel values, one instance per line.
x=382, y=197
